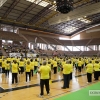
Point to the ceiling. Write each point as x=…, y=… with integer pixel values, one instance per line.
x=25, y=14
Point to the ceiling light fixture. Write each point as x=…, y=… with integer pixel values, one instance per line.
x=39, y=2
x=64, y=6
x=84, y=20
x=70, y=29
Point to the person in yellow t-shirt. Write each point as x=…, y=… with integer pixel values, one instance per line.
x=86, y=61
x=45, y=75
x=96, y=70
x=55, y=66
x=21, y=66
x=9, y=59
x=99, y=68
x=66, y=74
x=71, y=71
x=27, y=70
x=35, y=64
x=80, y=65
x=3, y=65
x=62, y=63
x=89, y=70
x=32, y=67
x=49, y=64
x=7, y=68
x=15, y=69
x=0, y=61
x=76, y=63
x=41, y=61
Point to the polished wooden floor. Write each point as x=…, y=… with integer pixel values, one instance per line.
x=31, y=90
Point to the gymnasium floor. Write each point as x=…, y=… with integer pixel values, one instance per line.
x=31, y=90
x=82, y=93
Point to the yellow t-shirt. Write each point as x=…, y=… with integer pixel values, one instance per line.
x=32, y=65
x=7, y=67
x=41, y=61
x=35, y=63
x=96, y=67
x=3, y=64
x=93, y=61
x=79, y=63
x=67, y=68
x=21, y=64
x=86, y=61
x=89, y=68
x=54, y=63
x=44, y=72
x=18, y=60
x=0, y=60
x=63, y=62
x=71, y=67
x=28, y=68
x=49, y=65
x=51, y=61
x=15, y=68
x=8, y=59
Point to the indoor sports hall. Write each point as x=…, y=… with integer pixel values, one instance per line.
x=49, y=49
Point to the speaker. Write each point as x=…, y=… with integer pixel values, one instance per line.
x=64, y=6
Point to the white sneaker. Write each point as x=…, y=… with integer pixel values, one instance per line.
x=41, y=96
x=48, y=94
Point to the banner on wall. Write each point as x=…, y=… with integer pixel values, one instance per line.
x=16, y=54
x=30, y=55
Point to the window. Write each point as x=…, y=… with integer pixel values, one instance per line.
x=75, y=48
x=77, y=37
x=62, y=38
x=9, y=41
x=29, y=45
x=69, y=47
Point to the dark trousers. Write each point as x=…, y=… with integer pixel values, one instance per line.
x=99, y=73
x=89, y=77
x=28, y=74
x=0, y=70
x=3, y=70
x=79, y=68
x=31, y=72
x=96, y=75
x=42, y=83
x=21, y=70
x=85, y=64
x=35, y=67
x=0, y=64
x=76, y=66
x=66, y=80
x=7, y=73
x=82, y=66
x=55, y=70
x=14, y=77
x=71, y=76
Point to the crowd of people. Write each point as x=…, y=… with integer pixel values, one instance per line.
x=45, y=65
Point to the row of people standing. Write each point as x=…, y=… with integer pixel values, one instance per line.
x=28, y=67
x=18, y=67
x=93, y=68
x=52, y=62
